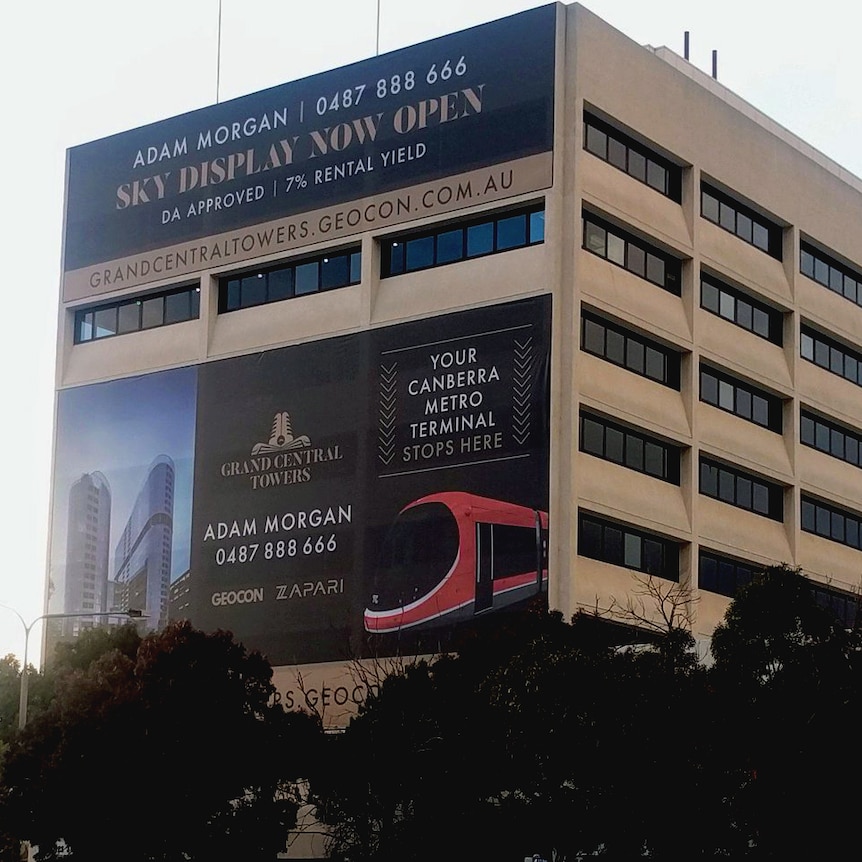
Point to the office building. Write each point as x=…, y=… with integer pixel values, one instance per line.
x=526, y=308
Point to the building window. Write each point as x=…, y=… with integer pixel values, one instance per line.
x=464, y=240
x=830, y=522
x=632, y=157
x=831, y=355
x=735, y=306
x=629, y=350
x=844, y=606
x=141, y=312
x=723, y=575
x=632, y=449
x=833, y=439
x=300, y=277
x=748, y=225
x=742, y=490
x=621, y=545
x=825, y=270
x=743, y=400
x=637, y=256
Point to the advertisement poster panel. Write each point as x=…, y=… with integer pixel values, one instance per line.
x=369, y=493
x=182, y=195
x=122, y=496
x=352, y=496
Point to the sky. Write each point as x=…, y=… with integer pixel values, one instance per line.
x=71, y=72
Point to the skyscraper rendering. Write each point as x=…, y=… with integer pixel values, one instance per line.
x=142, y=557
x=87, y=551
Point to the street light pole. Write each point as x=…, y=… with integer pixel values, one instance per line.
x=131, y=613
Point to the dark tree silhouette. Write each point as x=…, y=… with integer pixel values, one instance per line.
x=171, y=752
x=788, y=677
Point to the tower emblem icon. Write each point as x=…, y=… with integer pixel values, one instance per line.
x=281, y=437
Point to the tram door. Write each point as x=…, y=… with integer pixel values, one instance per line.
x=484, y=567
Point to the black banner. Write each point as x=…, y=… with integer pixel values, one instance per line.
x=365, y=492
x=472, y=99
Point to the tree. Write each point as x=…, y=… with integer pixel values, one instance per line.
x=537, y=736
x=174, y=752
x=541, y=736
x=789, y=680
x=10, y=682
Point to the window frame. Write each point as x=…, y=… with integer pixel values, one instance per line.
x=670, y=470
x=534, y=235
x=741, y=220
x=774, y=404
x=824, y=352
x=628, y=537
x=740, y=572
x=289, y=271
x=827, y=521
x=137, y=303
x=671, y=187
x=825, y=440
x=730, y=487
x=774, y=318
x=671, y=358
x=637, y=254
x=828, y=271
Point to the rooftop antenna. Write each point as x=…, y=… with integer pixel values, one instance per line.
x=218, y=52
x=685, y=45
x=715, y=65
x=377, y=44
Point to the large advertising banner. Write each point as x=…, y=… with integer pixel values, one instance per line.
x=459, y=120
x=278, y=498
x=364, y=495
x=368, y=494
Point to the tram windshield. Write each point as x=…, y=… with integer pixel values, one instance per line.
x=419, y=550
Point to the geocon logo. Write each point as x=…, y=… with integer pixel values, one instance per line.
x=284, y=459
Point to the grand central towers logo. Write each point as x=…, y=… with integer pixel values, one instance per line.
x=284, y=459
x=281, y=437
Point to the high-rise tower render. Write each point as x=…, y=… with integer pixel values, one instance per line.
x=142, y=557
x=87, y=551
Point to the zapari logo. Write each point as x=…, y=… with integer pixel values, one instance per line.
x=284, y=459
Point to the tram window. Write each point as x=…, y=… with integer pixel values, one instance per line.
x=514, y=550
x=418, y=552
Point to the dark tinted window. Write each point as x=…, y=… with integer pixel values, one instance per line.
x=723, y=575
x=626, y=546
x=831, y=355
x=296, y=278
x=738, y=308
x=133, y=315
x=450, y=243
x=629, y=350
x=741, y=489
x=721, y=209
x=831, y=522
x=636, y=159
x=418, y=552
x=742, y=399
x=829, y=437
x=632, y=253
x=833, y=275
x=632, y=449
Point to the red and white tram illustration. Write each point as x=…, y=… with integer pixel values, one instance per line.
x=450, y=556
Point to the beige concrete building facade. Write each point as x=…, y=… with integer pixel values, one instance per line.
x=705, y=277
